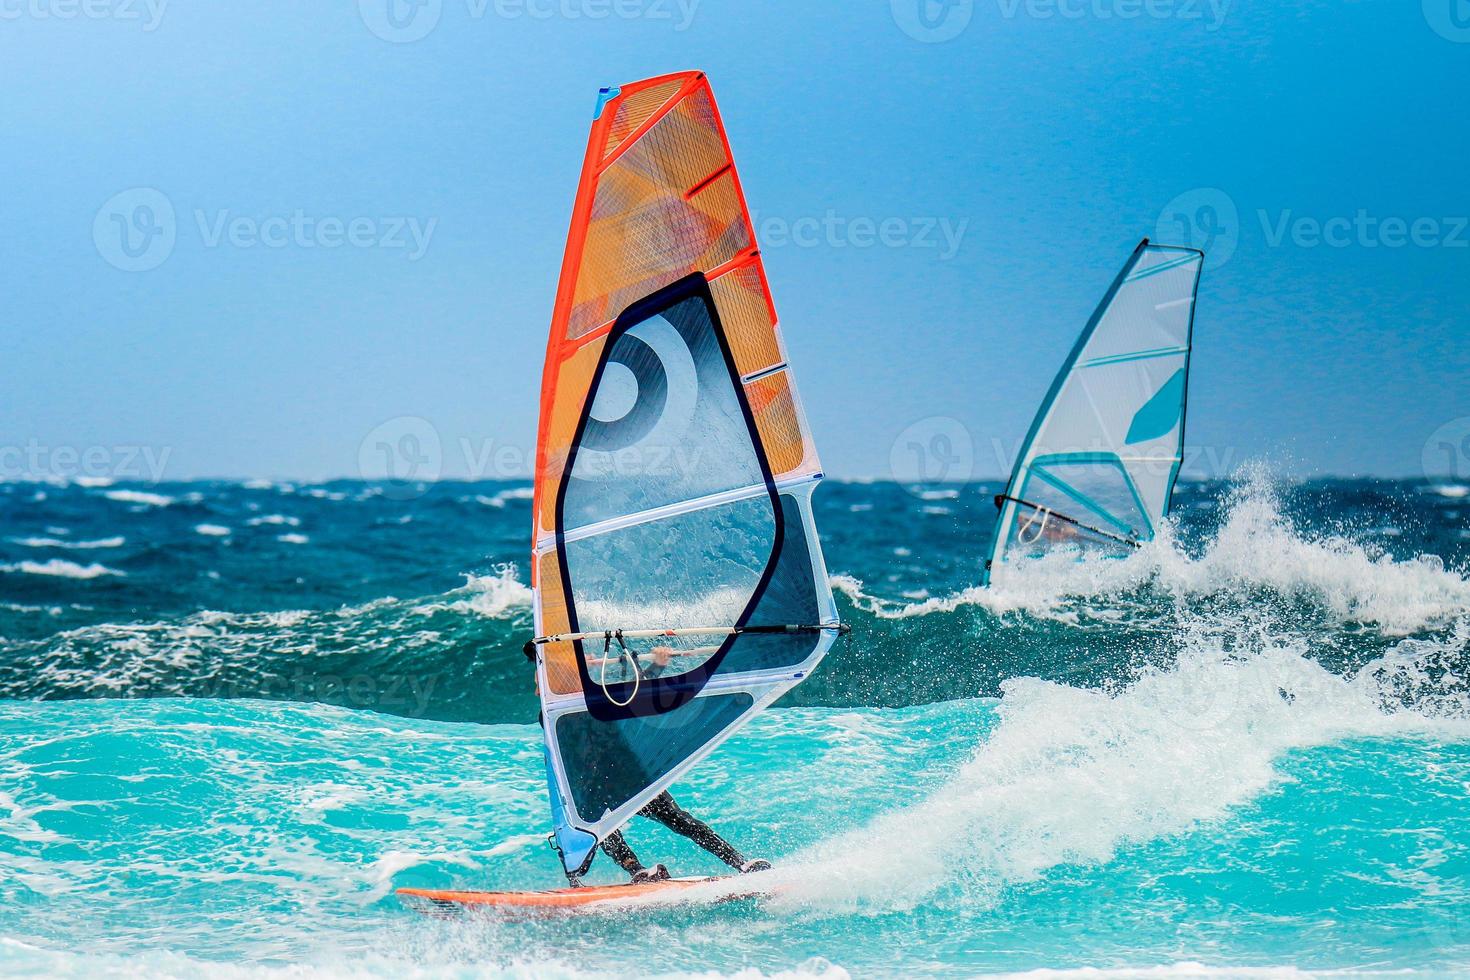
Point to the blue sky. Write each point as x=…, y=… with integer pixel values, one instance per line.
x=367, y=224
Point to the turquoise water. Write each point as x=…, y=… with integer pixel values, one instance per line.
x=1245, y=750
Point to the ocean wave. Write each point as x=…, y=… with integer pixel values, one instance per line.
x=58, y=568
x=274, y=519
x=139, y=497
x=1255, y=548
x=1071, y=775
x=1054, y=827
x=211, y=530
x=453, y=656
x=499, y=499
x=457, y=956
x=115, y=542
x=492, y=596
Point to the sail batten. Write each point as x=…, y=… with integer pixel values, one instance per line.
x=1098, y=466
x=549, y=542
x=678, y=579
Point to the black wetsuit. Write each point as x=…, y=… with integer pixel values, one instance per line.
x=663, y=809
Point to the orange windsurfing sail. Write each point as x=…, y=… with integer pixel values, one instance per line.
x=679, y=583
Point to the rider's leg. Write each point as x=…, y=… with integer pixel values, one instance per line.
x=615, y=847
x=671, y=815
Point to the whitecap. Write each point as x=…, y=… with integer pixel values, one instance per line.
x=138, y=497
x=494, y=596
x=116, y=542
x=62, y=569
x=500, y=499
x=1256, y=546
x=285, y=519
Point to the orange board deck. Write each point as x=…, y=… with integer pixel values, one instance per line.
x=562, y=900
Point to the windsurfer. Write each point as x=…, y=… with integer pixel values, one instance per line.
x=663, y=809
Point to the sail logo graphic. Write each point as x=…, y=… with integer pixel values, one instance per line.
x=135, y=230
x=1450, y=19
x=1205, y=218
x=400, y=21
x=932, y=21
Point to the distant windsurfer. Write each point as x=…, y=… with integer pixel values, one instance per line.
x=662, y=807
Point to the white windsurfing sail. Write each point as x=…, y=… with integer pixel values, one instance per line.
x=1097, y=469
x=679, y=585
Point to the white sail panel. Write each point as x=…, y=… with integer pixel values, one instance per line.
x=1098, y=467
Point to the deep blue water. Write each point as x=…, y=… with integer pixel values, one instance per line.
x=234, y=716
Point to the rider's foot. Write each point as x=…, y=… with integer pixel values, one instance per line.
x=758, y=864
x=574, y=881
x=656, y=873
